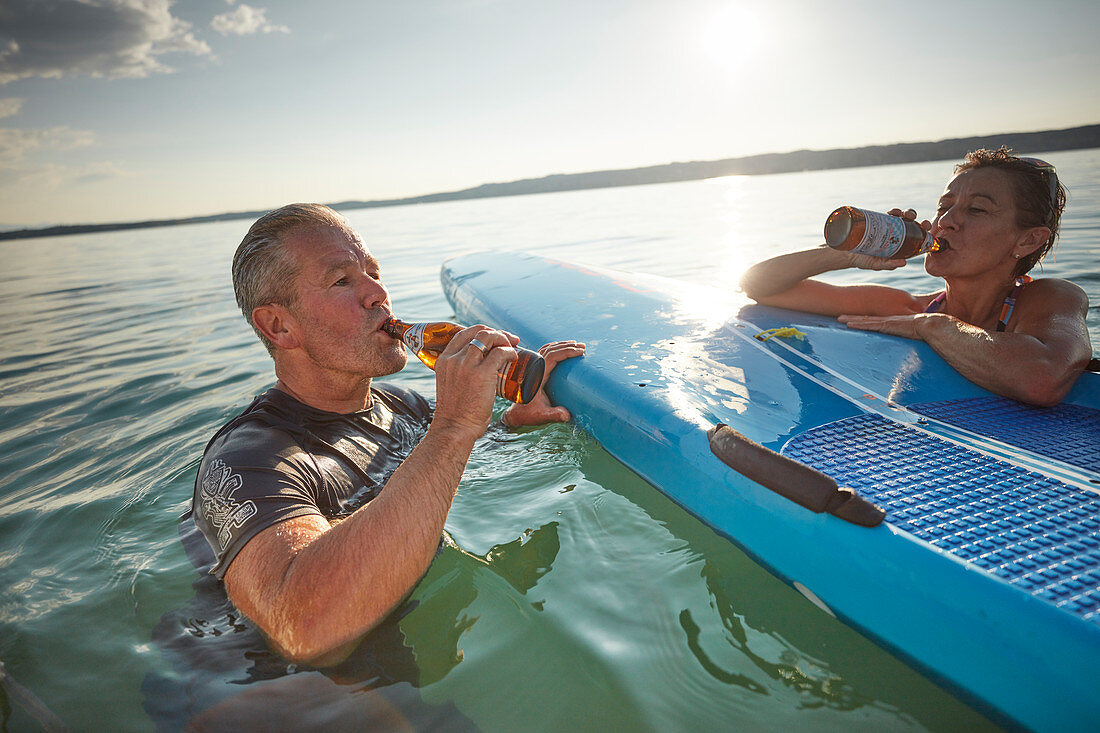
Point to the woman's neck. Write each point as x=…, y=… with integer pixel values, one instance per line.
x=977, y=301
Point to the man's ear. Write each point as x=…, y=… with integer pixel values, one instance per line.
x=277, y=324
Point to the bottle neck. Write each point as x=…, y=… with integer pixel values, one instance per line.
x=395, y=328
x=413, y=335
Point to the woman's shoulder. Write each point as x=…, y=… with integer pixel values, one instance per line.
x=1055, y=286
x=1053, y=295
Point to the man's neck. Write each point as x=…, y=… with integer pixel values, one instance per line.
x=343, y=398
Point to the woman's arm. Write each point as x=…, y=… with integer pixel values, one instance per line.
x=786, y=282
x=1037, y=361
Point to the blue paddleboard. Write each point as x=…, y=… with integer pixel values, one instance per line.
x=985, y=573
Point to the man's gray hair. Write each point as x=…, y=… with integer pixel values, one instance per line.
x=263, y=272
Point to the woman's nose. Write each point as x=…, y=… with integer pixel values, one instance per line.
x=945, y=221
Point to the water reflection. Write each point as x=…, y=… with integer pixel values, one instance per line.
x=751, y=637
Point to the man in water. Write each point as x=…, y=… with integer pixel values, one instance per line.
x=325, y=500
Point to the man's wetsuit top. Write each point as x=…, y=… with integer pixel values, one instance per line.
x=281, y=459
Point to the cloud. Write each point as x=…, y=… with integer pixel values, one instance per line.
x=53, y=176
x=26, y=165
x=104, y=38
x=16, y=145
x=10, y=106
x=245, y=20
x=97, y=172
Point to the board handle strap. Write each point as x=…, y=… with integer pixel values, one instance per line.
x=787, y=477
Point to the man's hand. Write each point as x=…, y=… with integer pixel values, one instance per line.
x=539, y=410
x=466, y=377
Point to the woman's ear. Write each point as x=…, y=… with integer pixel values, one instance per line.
x=1031, y=240
x=277, y=324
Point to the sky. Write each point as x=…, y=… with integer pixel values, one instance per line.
x=123, y=110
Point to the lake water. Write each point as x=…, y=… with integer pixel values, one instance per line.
x=580, y=598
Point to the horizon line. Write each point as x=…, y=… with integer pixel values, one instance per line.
x=1074, y=138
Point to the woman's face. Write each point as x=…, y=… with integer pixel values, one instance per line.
x=976, y=219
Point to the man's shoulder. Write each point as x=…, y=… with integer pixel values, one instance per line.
x=275, y=426
x=267, y=427
x=253, y=436
x=254, y=473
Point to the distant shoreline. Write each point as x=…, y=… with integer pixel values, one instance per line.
x=1076, y=138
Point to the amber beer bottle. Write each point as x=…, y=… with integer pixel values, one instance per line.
x=879, y=235
x=519, y=382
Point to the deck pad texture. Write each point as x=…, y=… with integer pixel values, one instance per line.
x=1068, y=433
x=1030, y=530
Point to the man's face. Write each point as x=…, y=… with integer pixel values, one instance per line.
x=341, y=304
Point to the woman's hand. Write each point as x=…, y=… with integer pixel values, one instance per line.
x=540, y=410
x=911, y=215
x=869, y=262
x=907, y=326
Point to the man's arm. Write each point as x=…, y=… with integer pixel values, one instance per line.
x=316, y=589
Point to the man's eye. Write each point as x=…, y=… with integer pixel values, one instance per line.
x=341, y=281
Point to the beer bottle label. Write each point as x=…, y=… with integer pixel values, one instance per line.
x=414, y=337
x=883, y=235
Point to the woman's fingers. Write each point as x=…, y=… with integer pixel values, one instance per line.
x=870, y=262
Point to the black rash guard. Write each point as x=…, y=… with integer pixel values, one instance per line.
x=281, y=459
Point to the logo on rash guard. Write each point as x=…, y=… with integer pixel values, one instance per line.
x=218, y=506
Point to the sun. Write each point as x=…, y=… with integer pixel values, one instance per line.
x=733, y=35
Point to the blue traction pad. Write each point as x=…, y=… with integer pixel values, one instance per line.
x=1035, y=532
x=1069, y=433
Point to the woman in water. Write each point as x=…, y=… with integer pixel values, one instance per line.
x=1021, y=338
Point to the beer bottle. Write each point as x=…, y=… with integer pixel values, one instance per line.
x=879, y=235
x=520, y=380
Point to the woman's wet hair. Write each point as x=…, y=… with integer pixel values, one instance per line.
x=263, y=272
x=1037, y=203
